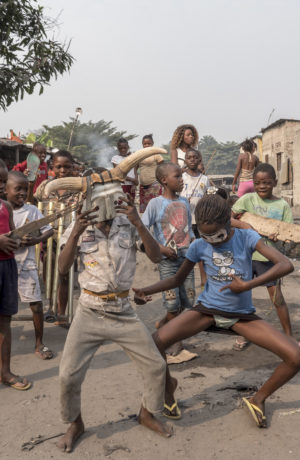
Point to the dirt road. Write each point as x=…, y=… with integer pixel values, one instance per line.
x=214, y=425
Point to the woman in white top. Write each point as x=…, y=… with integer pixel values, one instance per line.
x=149, y=186
x=131, y=180
x=184, y=138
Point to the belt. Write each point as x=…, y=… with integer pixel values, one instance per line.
x=108, y=297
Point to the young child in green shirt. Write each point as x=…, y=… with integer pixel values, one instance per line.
x=263, y=203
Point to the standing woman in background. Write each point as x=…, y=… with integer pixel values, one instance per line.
x=184, y=138
x=149, y=186
x=246, y=164
x=131, y=180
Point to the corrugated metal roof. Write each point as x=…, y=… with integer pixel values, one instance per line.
x=8, y=144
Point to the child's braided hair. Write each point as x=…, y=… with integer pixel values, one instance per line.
x=248, y=145
x=178, y=136
x=212, y=209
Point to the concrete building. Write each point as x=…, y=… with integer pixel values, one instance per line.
x=281, y=148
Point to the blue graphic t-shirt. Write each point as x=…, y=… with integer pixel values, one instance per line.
x=221, y=262
x=171, y=220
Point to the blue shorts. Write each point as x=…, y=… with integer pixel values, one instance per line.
x=259, y=267
x=8, y=287
x=182, y=297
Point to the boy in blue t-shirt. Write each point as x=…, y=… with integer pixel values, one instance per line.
x=170, y=217
x=226, y=300
x=263, y=203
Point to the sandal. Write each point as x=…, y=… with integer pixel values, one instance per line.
x=49, y=316
x=172, y=412
x=257, y=414
x=62, y=321
x=44, y=353
x=13, y=383
x=240, y=346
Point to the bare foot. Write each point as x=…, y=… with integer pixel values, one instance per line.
x=148, y=420
x=75, y=430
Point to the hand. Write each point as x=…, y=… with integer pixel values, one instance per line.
x=26, y=172
x=237, y=285
x=233, y=188
x=140, y=298
x=168, y=252
x=7, y=245
x=28, y=240
x=84, y=220
x=273, y=237
x=128, y=209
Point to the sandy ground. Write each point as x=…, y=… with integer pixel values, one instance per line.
x=214, y=425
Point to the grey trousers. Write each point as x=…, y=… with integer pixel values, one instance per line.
x=88, y=331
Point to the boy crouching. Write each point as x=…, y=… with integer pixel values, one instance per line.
x=107, y=253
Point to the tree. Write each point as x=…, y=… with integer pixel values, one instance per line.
x=223, y=155
x=92, y=143
x=28, y=57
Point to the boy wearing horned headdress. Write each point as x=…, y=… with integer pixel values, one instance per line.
x=106, y=239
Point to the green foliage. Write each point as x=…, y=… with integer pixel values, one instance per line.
x=224, y=160
x=92, y=143
x=28, y=57
x=223, y=155
x=166, y=155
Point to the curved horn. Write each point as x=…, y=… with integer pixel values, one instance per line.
x=120, y=172
x=66, y=183
x=115, y=174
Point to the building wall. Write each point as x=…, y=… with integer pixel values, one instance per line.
x=283, y=153
x=296, y=169
x=259, y=152
x=12, y=156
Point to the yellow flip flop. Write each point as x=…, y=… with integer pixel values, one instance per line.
x=13, y=383
x=253, y=411
x=169, y=410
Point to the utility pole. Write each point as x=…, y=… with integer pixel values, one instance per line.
x=78, y=112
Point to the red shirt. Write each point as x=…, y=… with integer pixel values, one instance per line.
x=42, y=173
x=4, y=228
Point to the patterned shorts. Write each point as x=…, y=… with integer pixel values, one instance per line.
x=176, y=300
x=29, y=286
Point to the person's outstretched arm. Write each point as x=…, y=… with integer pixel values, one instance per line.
x=282, y=266
x=142, y=295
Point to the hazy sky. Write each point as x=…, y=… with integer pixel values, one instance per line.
x=150, y=65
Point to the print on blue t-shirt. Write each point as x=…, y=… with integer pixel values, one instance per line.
x=222, y=262
x=171, y=219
